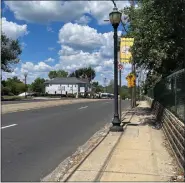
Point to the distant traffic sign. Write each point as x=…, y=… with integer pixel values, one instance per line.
x=120, y=66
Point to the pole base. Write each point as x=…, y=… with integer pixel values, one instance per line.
x=116, y=129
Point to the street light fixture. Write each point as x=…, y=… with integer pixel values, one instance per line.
x=115, y=18
x=25, y=76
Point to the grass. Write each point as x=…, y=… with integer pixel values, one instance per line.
x=11, y=98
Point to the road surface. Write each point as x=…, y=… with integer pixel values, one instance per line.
x=34, y=142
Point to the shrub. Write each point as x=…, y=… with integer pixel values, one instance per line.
x=5, y=91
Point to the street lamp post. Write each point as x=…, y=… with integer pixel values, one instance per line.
x=115, y=18
x=25, y=76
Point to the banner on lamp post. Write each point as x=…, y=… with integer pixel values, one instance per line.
x=125, y=45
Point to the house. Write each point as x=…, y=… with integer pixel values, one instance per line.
x=70, y=85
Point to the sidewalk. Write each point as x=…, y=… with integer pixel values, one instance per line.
x=137, y=154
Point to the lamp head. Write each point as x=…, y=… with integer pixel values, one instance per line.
x=115, y=17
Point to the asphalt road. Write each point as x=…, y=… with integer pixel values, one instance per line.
x=34, y=142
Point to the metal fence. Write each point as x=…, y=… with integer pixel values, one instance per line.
x=170, y=92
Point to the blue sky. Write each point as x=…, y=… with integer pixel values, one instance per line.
x=61, y=35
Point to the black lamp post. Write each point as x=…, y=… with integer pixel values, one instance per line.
x=115, y=18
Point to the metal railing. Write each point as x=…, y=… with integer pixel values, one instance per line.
x=170, y=92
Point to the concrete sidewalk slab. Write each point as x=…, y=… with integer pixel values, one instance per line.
x=137, y=154
x=90, y=169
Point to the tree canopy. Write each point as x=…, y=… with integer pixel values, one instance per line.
x=86, y=72
x=38, y=85
x=10, y=51
x=97, y=87
x=59, y=73
x=12, y=86
x=158, y=29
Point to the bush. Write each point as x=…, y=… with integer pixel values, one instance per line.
x=5, y=91
x=71, y=95
x=11, y=94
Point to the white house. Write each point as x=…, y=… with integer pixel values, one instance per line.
x=70, y=85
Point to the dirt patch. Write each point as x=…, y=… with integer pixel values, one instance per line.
x=36, y=105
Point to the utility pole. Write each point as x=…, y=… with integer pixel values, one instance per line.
x=105, y=81
x=134, y=88
x=25, y=76
x=91, y=85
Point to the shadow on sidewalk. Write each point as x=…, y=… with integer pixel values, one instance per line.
x=152, y=118
x=155, y=116
x=140, y=111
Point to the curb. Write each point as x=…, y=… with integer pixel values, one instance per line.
x=78, y=165
x=63, y=172
x=98, y=177
x=73, y=169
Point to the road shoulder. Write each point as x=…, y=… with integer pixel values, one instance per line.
x=9, y=108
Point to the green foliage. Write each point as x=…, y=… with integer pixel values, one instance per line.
x=125, y=92
x=15, y=86
x=10, y=51
x=59, y=73
x=158, y=30
x=38, y=85
x=5, y=91
x=88, y=73
x=110, y=87
x=97, y=88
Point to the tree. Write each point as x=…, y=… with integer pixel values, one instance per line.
x=110, y=87
x=125, y=92
x=86, y=72
x=15, y=85
x=158, y=30
x=59, y=73
x=97, y=88
x=38, y=85
x=62, y=73
x=10, y=51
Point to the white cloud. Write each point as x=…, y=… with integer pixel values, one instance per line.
x=49, y=29
x=23, y=45
x=50, y=60
x=13, y=30
x=51, y=48
x=83, y=46
x=39, y=67
x=83, y=20
x=79, y=36
x=47, y=11
x=86, y=38
x=70, y=58
x=98, y=68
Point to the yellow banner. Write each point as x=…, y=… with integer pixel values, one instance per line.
x=125, y=54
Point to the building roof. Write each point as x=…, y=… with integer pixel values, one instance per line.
x=69, y=80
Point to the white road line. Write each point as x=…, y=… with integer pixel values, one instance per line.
x=3, y=127
x=83, y=107
x=107, y=102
